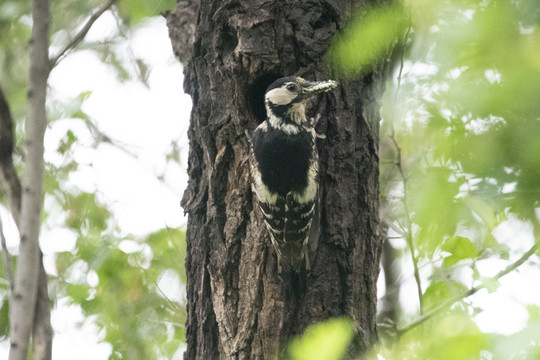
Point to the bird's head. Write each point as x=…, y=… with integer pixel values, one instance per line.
x=285, y=98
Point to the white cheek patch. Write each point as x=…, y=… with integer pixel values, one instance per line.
x=280, y=96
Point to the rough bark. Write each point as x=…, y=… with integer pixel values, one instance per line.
x=181, y=22
x=238, y=305
x=25, y=290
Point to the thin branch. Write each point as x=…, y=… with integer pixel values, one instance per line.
x=399, y=164
x=448, y=303
x=81, y=34
x=160, y=322
x=393, y=226
x=175, y=306
x=401, y=65
x=408, y=232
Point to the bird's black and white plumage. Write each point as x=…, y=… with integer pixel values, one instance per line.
x=284, y=166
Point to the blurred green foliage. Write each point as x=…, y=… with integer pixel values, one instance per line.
x=324, y=341
x=123, y=294
x=451, y=337
x=136, y=10
x=364, y=40
x=119, y=281
x=460, y=159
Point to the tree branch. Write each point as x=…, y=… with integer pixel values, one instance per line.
x=81, y=34
x=408, y=232
x=445, y=305
x=399, y=164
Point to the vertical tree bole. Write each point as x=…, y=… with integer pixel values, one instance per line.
x=239, y=307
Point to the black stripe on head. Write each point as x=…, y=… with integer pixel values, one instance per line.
x=282, y=111
x=279, y=111
x=280, y=82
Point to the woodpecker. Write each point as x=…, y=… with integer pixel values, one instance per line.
x=284, y=166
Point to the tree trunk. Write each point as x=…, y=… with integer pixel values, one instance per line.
x=239, y=307
x=390, y=302
x=29, y=302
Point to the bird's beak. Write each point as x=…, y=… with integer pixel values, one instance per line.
x=310, y=88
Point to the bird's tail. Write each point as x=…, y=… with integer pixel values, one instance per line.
x=293, y=256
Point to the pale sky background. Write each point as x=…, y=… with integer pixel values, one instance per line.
x=146, y=120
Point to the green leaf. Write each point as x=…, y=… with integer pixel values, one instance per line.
x=66, y=142
x=455, y=337
x=85, y=212
x=368, y=39
x=484, y=210
x=64, y=260
x=169, y=247
x=447, y=336
x=534, y=313
x=439, y=291
x=323, y=341
x=459, y=248
x=78, y=292
x=137, y=10
x=490, y=284
x=432, y=199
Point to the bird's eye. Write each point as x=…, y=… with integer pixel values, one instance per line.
x=292, y=87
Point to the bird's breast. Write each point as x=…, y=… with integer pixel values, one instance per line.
x=284, y=159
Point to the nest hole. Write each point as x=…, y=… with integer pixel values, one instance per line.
x=255, y=95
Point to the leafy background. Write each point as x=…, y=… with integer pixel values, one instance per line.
x=460, y=170
x=459, y=173
x=112, y=236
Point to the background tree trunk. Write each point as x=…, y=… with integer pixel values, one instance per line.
x=390, y=302
x=30, y=278
x=238, y=306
